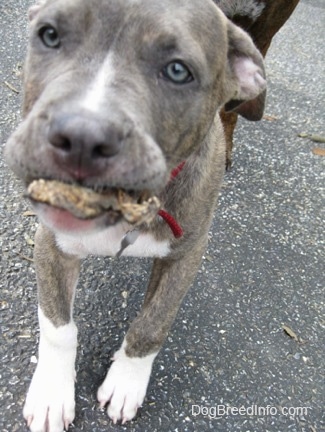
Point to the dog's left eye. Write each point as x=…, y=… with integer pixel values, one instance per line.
x=49, y=36
x=177, y=72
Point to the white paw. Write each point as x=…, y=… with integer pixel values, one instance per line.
x=50, y=404
x=125, y=385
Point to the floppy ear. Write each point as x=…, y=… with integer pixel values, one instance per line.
x=246, y=84
x=33, y=10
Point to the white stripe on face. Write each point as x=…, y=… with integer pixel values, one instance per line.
x=95, y=92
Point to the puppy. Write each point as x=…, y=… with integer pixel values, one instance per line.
x=124, y=95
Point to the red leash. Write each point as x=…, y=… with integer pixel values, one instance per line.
x=177, y=170
x=173, y=225
x=171, y=222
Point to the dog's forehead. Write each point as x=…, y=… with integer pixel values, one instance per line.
x=155, y=25
x=109, y=14
x=124, y=4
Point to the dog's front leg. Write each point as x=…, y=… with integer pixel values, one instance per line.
x=126, y=382
x=50, y=401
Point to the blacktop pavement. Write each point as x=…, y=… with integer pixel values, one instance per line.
x=250, y=333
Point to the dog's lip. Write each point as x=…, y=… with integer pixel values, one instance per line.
x=62, y=220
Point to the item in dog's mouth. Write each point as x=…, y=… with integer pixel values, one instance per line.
x=85, y=203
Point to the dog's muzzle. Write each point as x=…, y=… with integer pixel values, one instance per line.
x=82, y=142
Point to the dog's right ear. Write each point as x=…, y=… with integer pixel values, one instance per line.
x=34, y=9
x=245, y=80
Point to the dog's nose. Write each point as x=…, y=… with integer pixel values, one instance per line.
x=81, y=143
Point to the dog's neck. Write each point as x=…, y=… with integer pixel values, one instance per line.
x=171, y=222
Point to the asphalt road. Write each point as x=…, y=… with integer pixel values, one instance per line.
x=264, y=268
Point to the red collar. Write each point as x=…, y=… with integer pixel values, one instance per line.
x=171, y=222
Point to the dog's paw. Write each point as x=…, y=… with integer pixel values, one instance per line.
x=50, y=404
x=125, y=385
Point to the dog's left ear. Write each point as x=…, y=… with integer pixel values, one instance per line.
x=245, y=75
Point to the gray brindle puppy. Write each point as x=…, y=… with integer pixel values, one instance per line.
x=118, y=93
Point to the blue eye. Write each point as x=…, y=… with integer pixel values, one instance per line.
x=177, y=72
x=49, y=36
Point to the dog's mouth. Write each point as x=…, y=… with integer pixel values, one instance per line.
x=86, y=204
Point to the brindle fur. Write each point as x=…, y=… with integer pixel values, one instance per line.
x=159, y=124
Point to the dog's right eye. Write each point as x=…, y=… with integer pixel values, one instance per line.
x=177, y=72
x=49, y=36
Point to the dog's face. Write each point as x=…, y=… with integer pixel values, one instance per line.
x=117, y=93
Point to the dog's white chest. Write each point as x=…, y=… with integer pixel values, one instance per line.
x=108, y=243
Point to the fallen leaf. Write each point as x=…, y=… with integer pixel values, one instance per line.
x=25, y=257
x=318, y=151
x=29, y=213
x=290, y=332
x=270, y=117
x=317, y=138
x=11, y=87
x=312, y=137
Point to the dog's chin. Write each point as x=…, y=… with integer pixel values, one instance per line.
x=62, y=221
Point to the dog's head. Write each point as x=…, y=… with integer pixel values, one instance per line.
x=117, y=93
